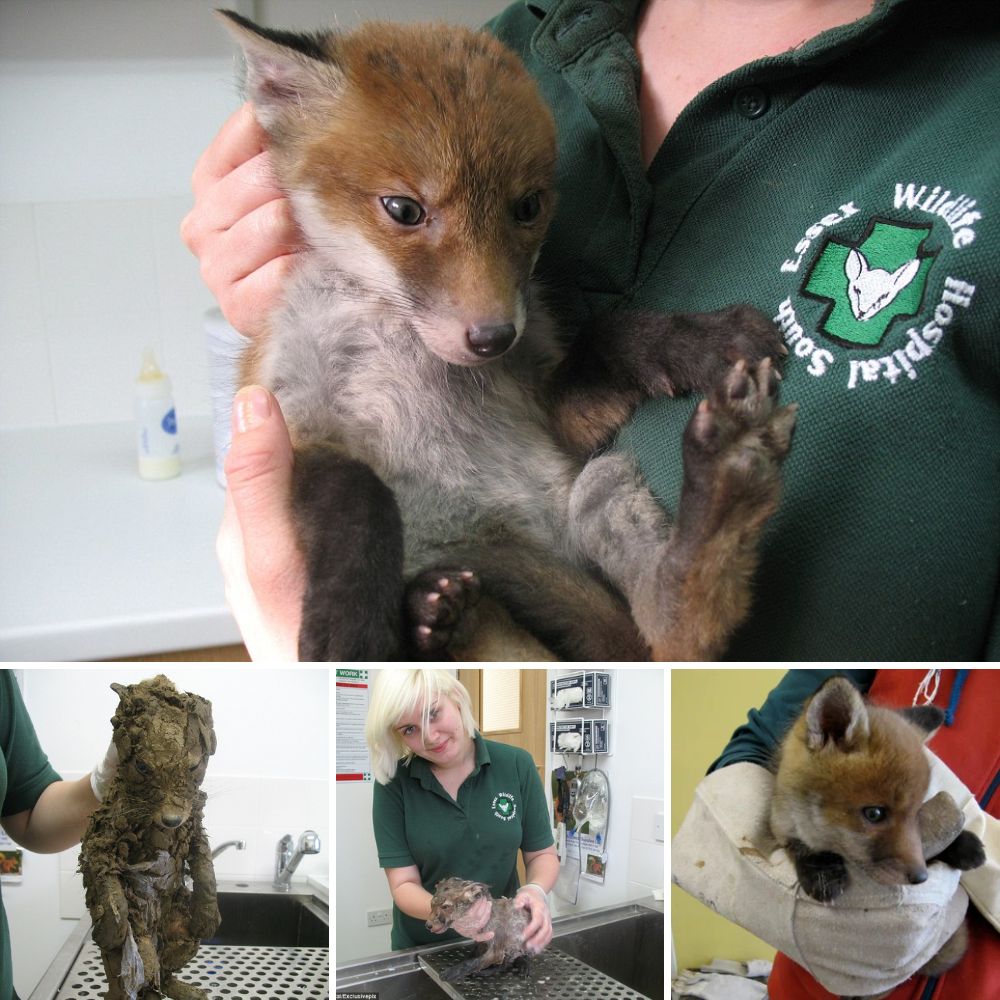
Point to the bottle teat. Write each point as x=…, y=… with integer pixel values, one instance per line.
x=150, y=370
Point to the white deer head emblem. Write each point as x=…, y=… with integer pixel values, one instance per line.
x=871, y=289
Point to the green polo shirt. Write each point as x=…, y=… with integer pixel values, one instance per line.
x=25, y=773
x=500, y=808
x=850, y=188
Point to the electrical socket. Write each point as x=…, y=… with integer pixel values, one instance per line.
x=378, y=918
x=658, y=828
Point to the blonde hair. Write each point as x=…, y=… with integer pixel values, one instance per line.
x=396, y=692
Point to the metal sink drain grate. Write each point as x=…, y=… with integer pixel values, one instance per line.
x=224, y=972
x=552, y=975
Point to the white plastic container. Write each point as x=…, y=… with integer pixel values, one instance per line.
x=225, y=348
x=156, y=422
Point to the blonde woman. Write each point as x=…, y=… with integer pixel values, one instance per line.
x=450, y=803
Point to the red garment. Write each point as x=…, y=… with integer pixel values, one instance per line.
x=970, y=746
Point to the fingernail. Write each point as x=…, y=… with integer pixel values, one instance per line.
x=251, y=407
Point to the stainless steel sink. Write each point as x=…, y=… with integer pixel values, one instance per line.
x=624, y=942
x=629, y=948
x=269, y=945
x=278, y=920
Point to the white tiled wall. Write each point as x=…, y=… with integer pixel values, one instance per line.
x=645, y=854
x=104, y=109
x=84, y=286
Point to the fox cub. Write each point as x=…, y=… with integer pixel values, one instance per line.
x=850, y=781
x=452, y=899
x=444, y=435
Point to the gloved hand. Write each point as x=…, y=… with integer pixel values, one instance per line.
x=982, y=883
x=870, y=939
x=478, y=916
x=100, y=777
x=538, y=932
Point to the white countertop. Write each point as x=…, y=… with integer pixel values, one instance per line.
x=97, y=563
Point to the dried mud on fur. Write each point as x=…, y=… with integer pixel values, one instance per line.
x=146, y=837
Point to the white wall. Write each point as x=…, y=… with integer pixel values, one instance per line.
x=636, y=773
x=104, y=109
x=269, y=777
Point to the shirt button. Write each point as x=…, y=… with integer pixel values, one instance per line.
x=751, y=102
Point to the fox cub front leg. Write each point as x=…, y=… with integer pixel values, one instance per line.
x=351, y=535
x=620, y=358
x=822, y=874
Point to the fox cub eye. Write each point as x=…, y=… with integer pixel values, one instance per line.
x=527, y=209
x=143, y=768
x=405, y=211
x=875, y=814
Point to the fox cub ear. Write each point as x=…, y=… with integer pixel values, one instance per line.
x=836, y=716
x=927, y=718
x=283, y=68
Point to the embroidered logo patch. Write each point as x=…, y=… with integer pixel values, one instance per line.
x=871, y=284
x=888, y=294
x=504, y=807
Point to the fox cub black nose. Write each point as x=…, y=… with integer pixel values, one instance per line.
x=916, y=877
x=491, y=341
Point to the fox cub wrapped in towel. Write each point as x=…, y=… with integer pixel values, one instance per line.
x=849, y=792
x=444, y=437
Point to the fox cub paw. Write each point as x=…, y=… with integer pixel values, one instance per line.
x=965, y=852
x=823, y=876
x=749, y=336
x=437, y=604
x=734, y=445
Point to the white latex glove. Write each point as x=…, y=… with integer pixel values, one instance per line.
x=538, y=932
x=100, y=777
x=477, y=917
x=982, y=884
x=868, y=940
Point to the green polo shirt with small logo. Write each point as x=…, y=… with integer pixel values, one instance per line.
x=25, y=773
x=500, y=808
x=849, y=188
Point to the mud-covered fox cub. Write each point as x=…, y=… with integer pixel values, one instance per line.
x=440, y=427
x=851, y=778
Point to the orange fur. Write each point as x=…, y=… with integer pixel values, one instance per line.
x=383, y=136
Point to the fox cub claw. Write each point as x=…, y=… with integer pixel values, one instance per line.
x=735, y=443
x=437, y=602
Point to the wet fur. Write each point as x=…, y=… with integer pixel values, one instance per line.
x=452, y=899
x=403, y=437
x=843, y=756
x=147, y=835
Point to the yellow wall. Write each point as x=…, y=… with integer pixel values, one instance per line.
x=706, y=706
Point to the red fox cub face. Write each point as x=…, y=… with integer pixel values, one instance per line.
x=427, y=177
x=850, y=780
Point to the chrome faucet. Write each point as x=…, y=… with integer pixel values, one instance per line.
x=285, y=861
x=240, y=845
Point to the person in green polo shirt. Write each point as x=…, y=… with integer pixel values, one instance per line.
x=38, y=810
x=831, y=162
x=449, y=803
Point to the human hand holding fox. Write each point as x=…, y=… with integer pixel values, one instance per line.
x=262, y=565
x=241, y=227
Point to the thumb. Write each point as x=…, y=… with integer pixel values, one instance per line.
x=259, y=480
